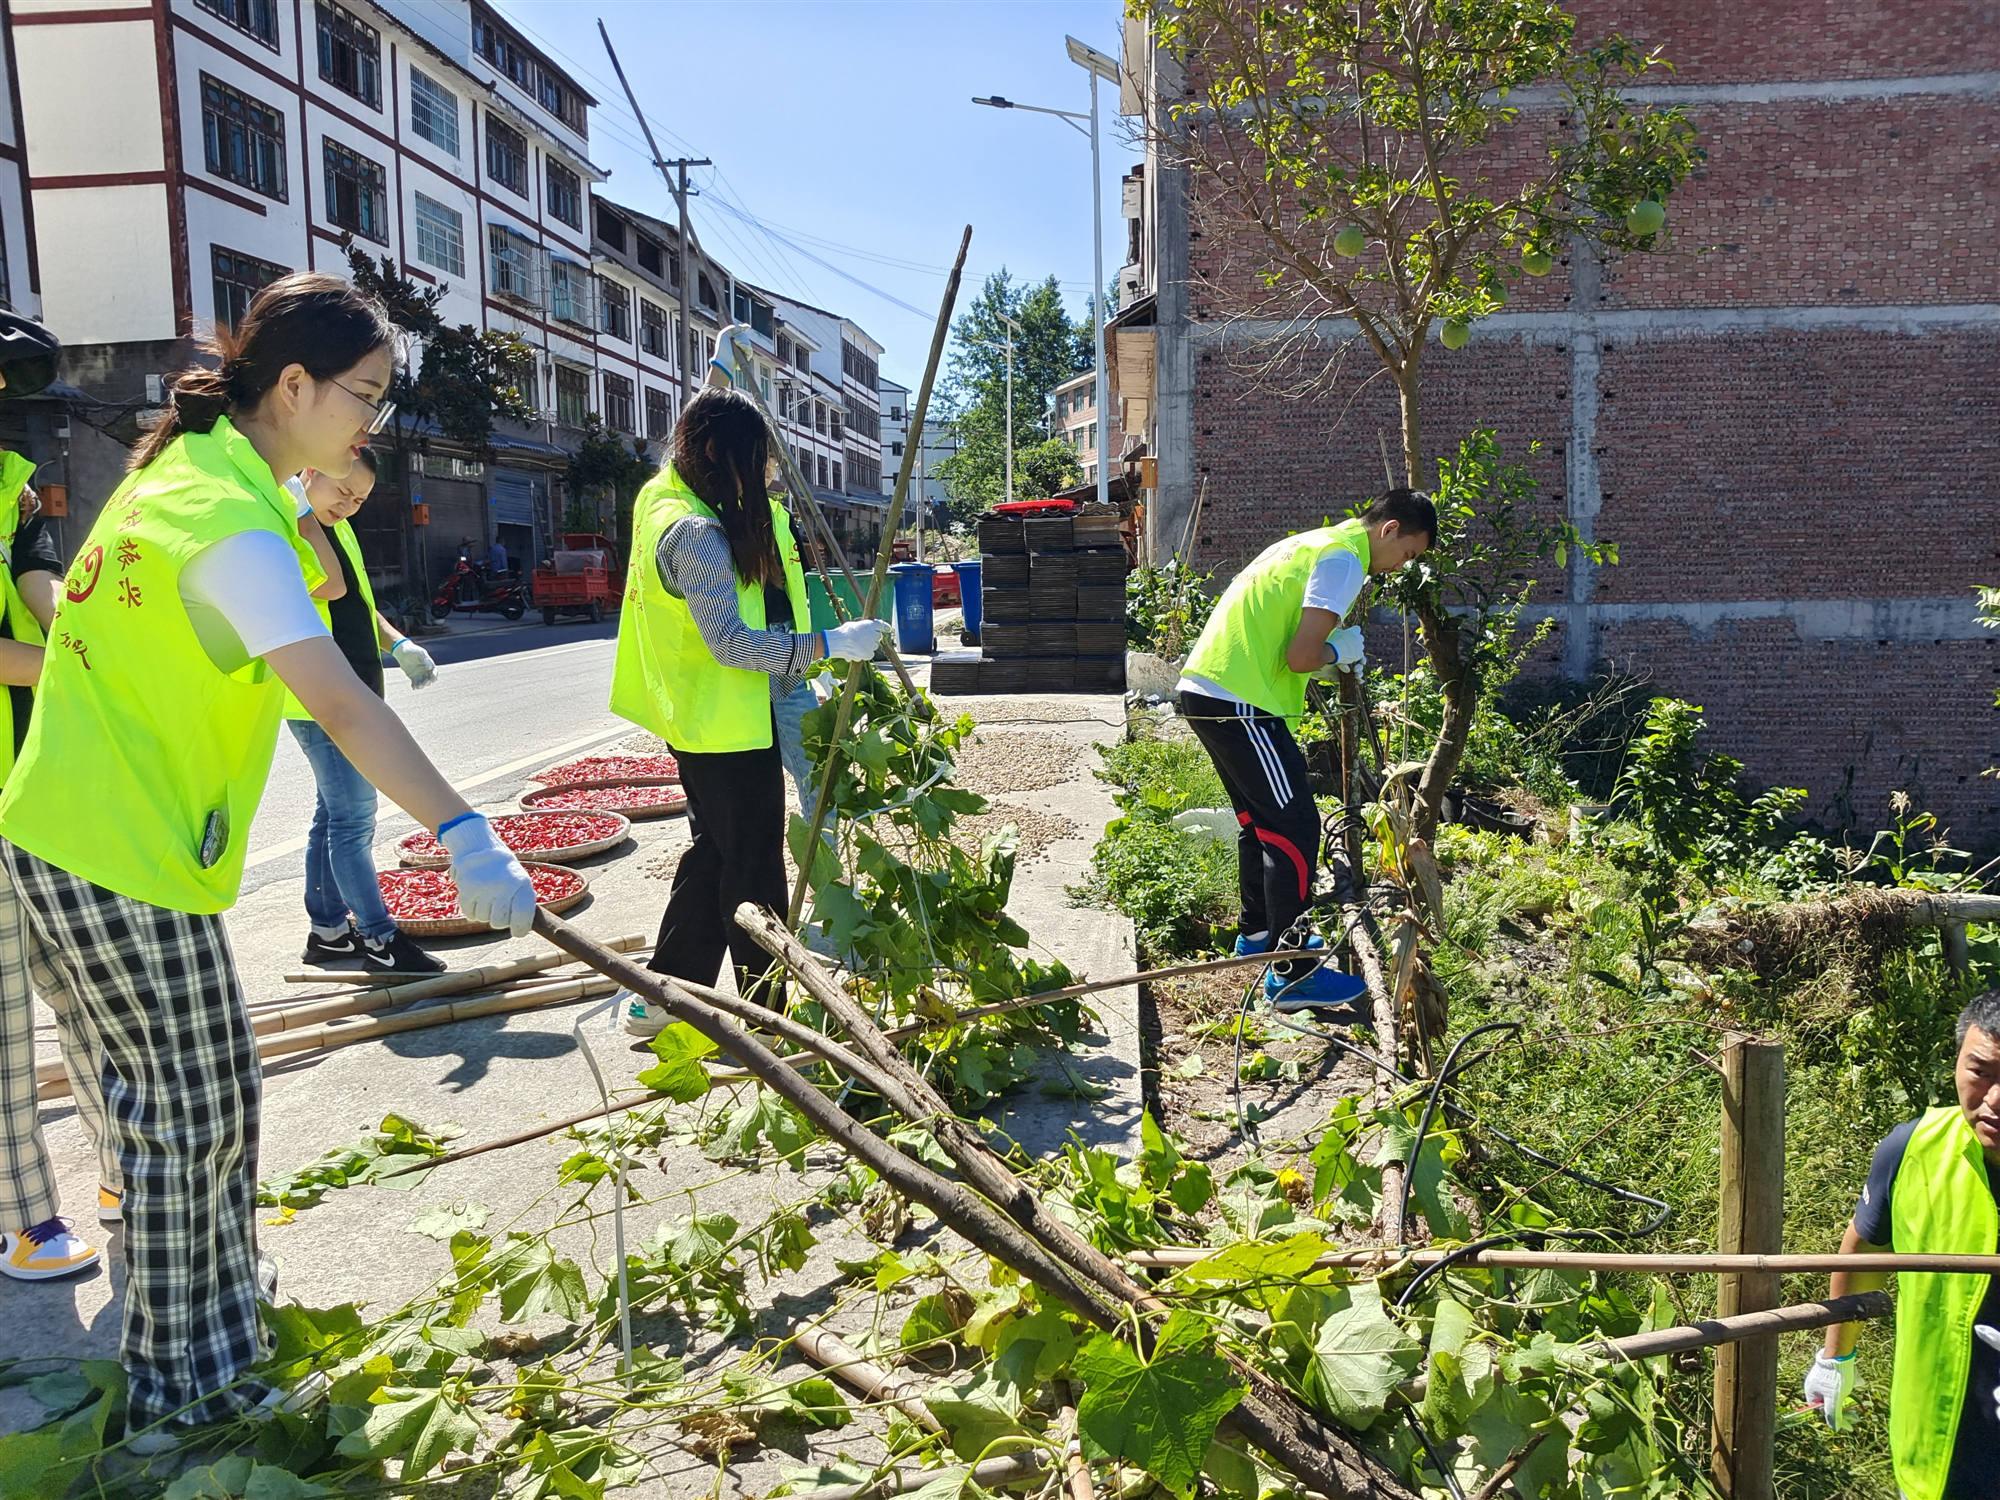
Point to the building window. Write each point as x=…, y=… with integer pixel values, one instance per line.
x=350, y=54
x=614, y=311
x=243, y=140
x=836, y=474
x=659, y=415
x=572, y=396
x=565, y=193
x=618, y=402
x=822, y=471
x=805, y=461
x=705, y=291
x=862, y=421
x=569, y=292
x=238, y=278
x=804, y=360
x=896, y=450
x=440, y=235
x=652, y=328
x=507, y=157
x=500, y=47
x=859, y=366
x=258, y=18
x=833, y=422
x=673, y=268
x=434, y=112
x=610, y=228
x=357, y=194
x=649, y=256
x=516, y=265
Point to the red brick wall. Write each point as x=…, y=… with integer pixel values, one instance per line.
x=1759, y=435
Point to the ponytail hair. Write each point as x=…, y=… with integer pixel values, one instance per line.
x=721, y=448
x=320, y=322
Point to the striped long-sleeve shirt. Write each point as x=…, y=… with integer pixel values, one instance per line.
x=696, y=565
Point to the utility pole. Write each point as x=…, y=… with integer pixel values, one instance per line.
x=677, y=184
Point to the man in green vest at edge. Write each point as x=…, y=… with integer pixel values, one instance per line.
x=1934, y=1188
x=1244, y=688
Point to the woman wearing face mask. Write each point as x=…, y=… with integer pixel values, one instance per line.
x=713, y=564
x=344, y=903
x=185, y=617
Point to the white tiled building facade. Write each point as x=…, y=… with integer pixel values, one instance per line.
x=221, y=143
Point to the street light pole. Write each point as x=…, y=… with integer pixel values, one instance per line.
x=1097, y=296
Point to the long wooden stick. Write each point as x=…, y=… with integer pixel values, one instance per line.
x=1390, y=1258
x=723, y=1077
x=1776, y=1320
x=845, y=712
x=458, y=980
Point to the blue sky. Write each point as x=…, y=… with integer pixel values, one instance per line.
x=850, y=121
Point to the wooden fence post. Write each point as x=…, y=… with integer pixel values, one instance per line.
x=1752, y=1222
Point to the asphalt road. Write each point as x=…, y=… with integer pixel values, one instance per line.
x=506, y=702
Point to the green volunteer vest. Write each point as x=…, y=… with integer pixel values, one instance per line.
x=1942, y=1204
x=22, y=625
x=1242, y=647
x=665, y=678
x=345, y=539
x=142, y=749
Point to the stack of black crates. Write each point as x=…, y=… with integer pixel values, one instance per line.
x=1053, y=603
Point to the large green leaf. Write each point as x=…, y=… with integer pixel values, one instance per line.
x=763, y=1117
x=678, y=1074
x=1461, y=1370
x=419, y=1427
x=1032, y=1351
x=976, y=1412
x=535, y=1282
x=1360, y=1357
x=1160, y=1414
x=1262, y=1260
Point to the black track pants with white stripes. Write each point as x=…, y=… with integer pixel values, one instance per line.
x=1277, y=848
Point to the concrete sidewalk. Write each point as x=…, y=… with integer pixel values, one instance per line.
x=1033, y=757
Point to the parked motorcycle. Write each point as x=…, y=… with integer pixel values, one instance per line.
x=472, y=590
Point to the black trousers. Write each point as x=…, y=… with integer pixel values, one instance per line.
x=736, y=812
x=1264, y=773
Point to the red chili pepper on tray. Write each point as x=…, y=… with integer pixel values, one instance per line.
x=530, y=835
x=612, y=768
x=432, y=895
x=618, y=799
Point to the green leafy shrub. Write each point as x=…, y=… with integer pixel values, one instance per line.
x=1166, y=607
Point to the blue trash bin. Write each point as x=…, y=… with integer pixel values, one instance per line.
x=968, y=595
x=916, y=616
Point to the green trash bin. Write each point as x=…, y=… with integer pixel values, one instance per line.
x=821, y=603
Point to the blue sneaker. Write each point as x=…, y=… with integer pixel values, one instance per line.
x=1321, y=988
x=1244, y=947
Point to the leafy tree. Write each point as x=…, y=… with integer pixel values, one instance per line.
x=1370, y=159
x=605, y=462
x=1049, y=348
x=460, y=378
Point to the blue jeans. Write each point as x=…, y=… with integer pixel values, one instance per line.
x=789, y=713
x=340, y=859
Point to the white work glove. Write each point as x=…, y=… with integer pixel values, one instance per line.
x=1829, y=1384
x=854, y=641
x=415, y=661
x=492, y=886
x=1348, y=649
x=1988, y=1335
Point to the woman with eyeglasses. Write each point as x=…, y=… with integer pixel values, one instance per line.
x=185, y=617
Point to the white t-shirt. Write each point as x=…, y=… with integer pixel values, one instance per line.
x=246, y=595
x=1334, y=584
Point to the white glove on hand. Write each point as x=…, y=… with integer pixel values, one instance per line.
x=1988, y=1335
x=724, y=358
x=1829, y=1384
x=492, y=886
x=1348, y=649
x=415, y=661
x=854, y=641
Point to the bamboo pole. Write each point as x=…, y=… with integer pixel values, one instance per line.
x=1706, y=1263
x=1077, y=1483
x=845, y=712
x=817, y=525
x=458, y=980
x=849, y=1365
x=1743, y=1433
x=1766, y=1324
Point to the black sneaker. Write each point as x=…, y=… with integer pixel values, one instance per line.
x=398, y=956
x=333, y=953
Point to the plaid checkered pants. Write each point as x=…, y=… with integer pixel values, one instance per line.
x=182, y=1088
x=27, y=1174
